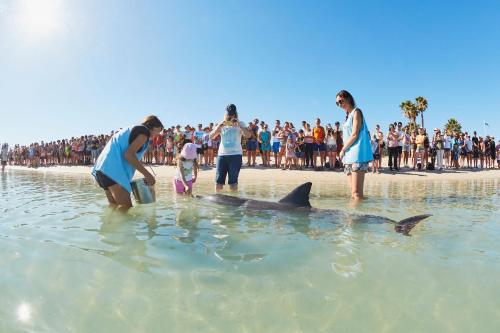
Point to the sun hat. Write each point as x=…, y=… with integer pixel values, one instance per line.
x=189, y=151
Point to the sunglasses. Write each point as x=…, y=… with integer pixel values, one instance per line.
x=340, y=102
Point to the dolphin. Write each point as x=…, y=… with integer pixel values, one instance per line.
x=297, y=201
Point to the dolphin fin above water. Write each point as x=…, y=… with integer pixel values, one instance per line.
x=404, y=226
x=298, y=197
x=298, y=201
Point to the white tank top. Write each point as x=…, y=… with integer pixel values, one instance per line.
x=331, y=140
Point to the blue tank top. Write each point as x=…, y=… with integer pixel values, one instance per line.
x=265, y=137
x=112, y=160
x=360, y=151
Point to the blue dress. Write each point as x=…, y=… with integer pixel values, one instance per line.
x=112, y=160
x=360, y=151
x=266, y=145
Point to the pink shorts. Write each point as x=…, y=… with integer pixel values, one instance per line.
x=179, y=186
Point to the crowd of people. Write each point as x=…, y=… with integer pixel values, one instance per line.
x=350, y=148
x=281, y=145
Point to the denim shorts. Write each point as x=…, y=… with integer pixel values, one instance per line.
x=228, y=166
x=350, y=168
x=251, y=145
x=319, y=147
x=276, y=147
x=104, y=181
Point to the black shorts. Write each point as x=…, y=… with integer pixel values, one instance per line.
x=199, y=151
x=4, y=162
x=104, y=181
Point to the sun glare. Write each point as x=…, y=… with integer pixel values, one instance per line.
x=38, y=18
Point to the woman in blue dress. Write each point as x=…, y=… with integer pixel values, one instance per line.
x=265, y=141
x=116, y=165
x=357, y=152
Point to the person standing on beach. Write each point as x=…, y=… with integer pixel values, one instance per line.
x=393, y=147
x=319, y=147
x=438, y=143
x=4, y=155
x=119, y=159
x=252, y=144
x=406, y=146
x=419, y=152
x=338, y=137
x=401, y=135
x=447, y=149
x=475, y=149
x=357, y=152
x=276, y=143
x=308, y=145
x=230, y=157
x=265, y=145
x=497, y=148
x=381, y=143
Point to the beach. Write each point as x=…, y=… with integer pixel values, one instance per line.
x=248, y=174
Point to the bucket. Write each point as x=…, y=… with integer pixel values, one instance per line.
x=143, y=193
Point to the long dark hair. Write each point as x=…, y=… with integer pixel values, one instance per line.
x=151, y=122
x=346, y=96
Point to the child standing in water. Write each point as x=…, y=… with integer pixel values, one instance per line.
x=187, y=170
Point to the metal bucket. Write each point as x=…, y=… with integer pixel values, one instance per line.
x=143, y=193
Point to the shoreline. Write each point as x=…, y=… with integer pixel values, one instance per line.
x=247, y=174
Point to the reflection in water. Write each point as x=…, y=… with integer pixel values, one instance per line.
x=129, y=247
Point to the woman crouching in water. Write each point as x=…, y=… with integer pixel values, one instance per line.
x=357, y=151
x=116, y=165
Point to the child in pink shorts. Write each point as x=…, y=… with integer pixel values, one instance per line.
x=187, y=170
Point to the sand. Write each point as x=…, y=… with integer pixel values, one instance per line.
x=247, y=174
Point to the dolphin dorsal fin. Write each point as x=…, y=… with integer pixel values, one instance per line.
x=299, y=197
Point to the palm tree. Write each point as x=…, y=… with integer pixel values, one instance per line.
x=409, y=110
x=452, y=126
x=421, y=104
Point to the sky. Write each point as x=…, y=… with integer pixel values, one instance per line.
x=76, y=67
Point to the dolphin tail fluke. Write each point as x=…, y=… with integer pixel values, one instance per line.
x=299, y=196
x=404, y=226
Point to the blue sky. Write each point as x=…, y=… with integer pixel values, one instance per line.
x=89, y=66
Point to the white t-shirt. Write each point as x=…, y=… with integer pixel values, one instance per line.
x=468, y=144
x=275, y=136
x=206, y=140
x=447, y=142
x=198, y=135
x=401, y=136
x=187, y=165
x=230, y=140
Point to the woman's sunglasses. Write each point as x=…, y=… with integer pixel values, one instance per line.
x=340, y=102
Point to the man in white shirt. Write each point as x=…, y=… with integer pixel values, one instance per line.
x=198, y=140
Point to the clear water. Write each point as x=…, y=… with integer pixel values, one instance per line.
x=67, y=264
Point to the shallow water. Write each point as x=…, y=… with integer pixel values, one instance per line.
x=68, y=264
